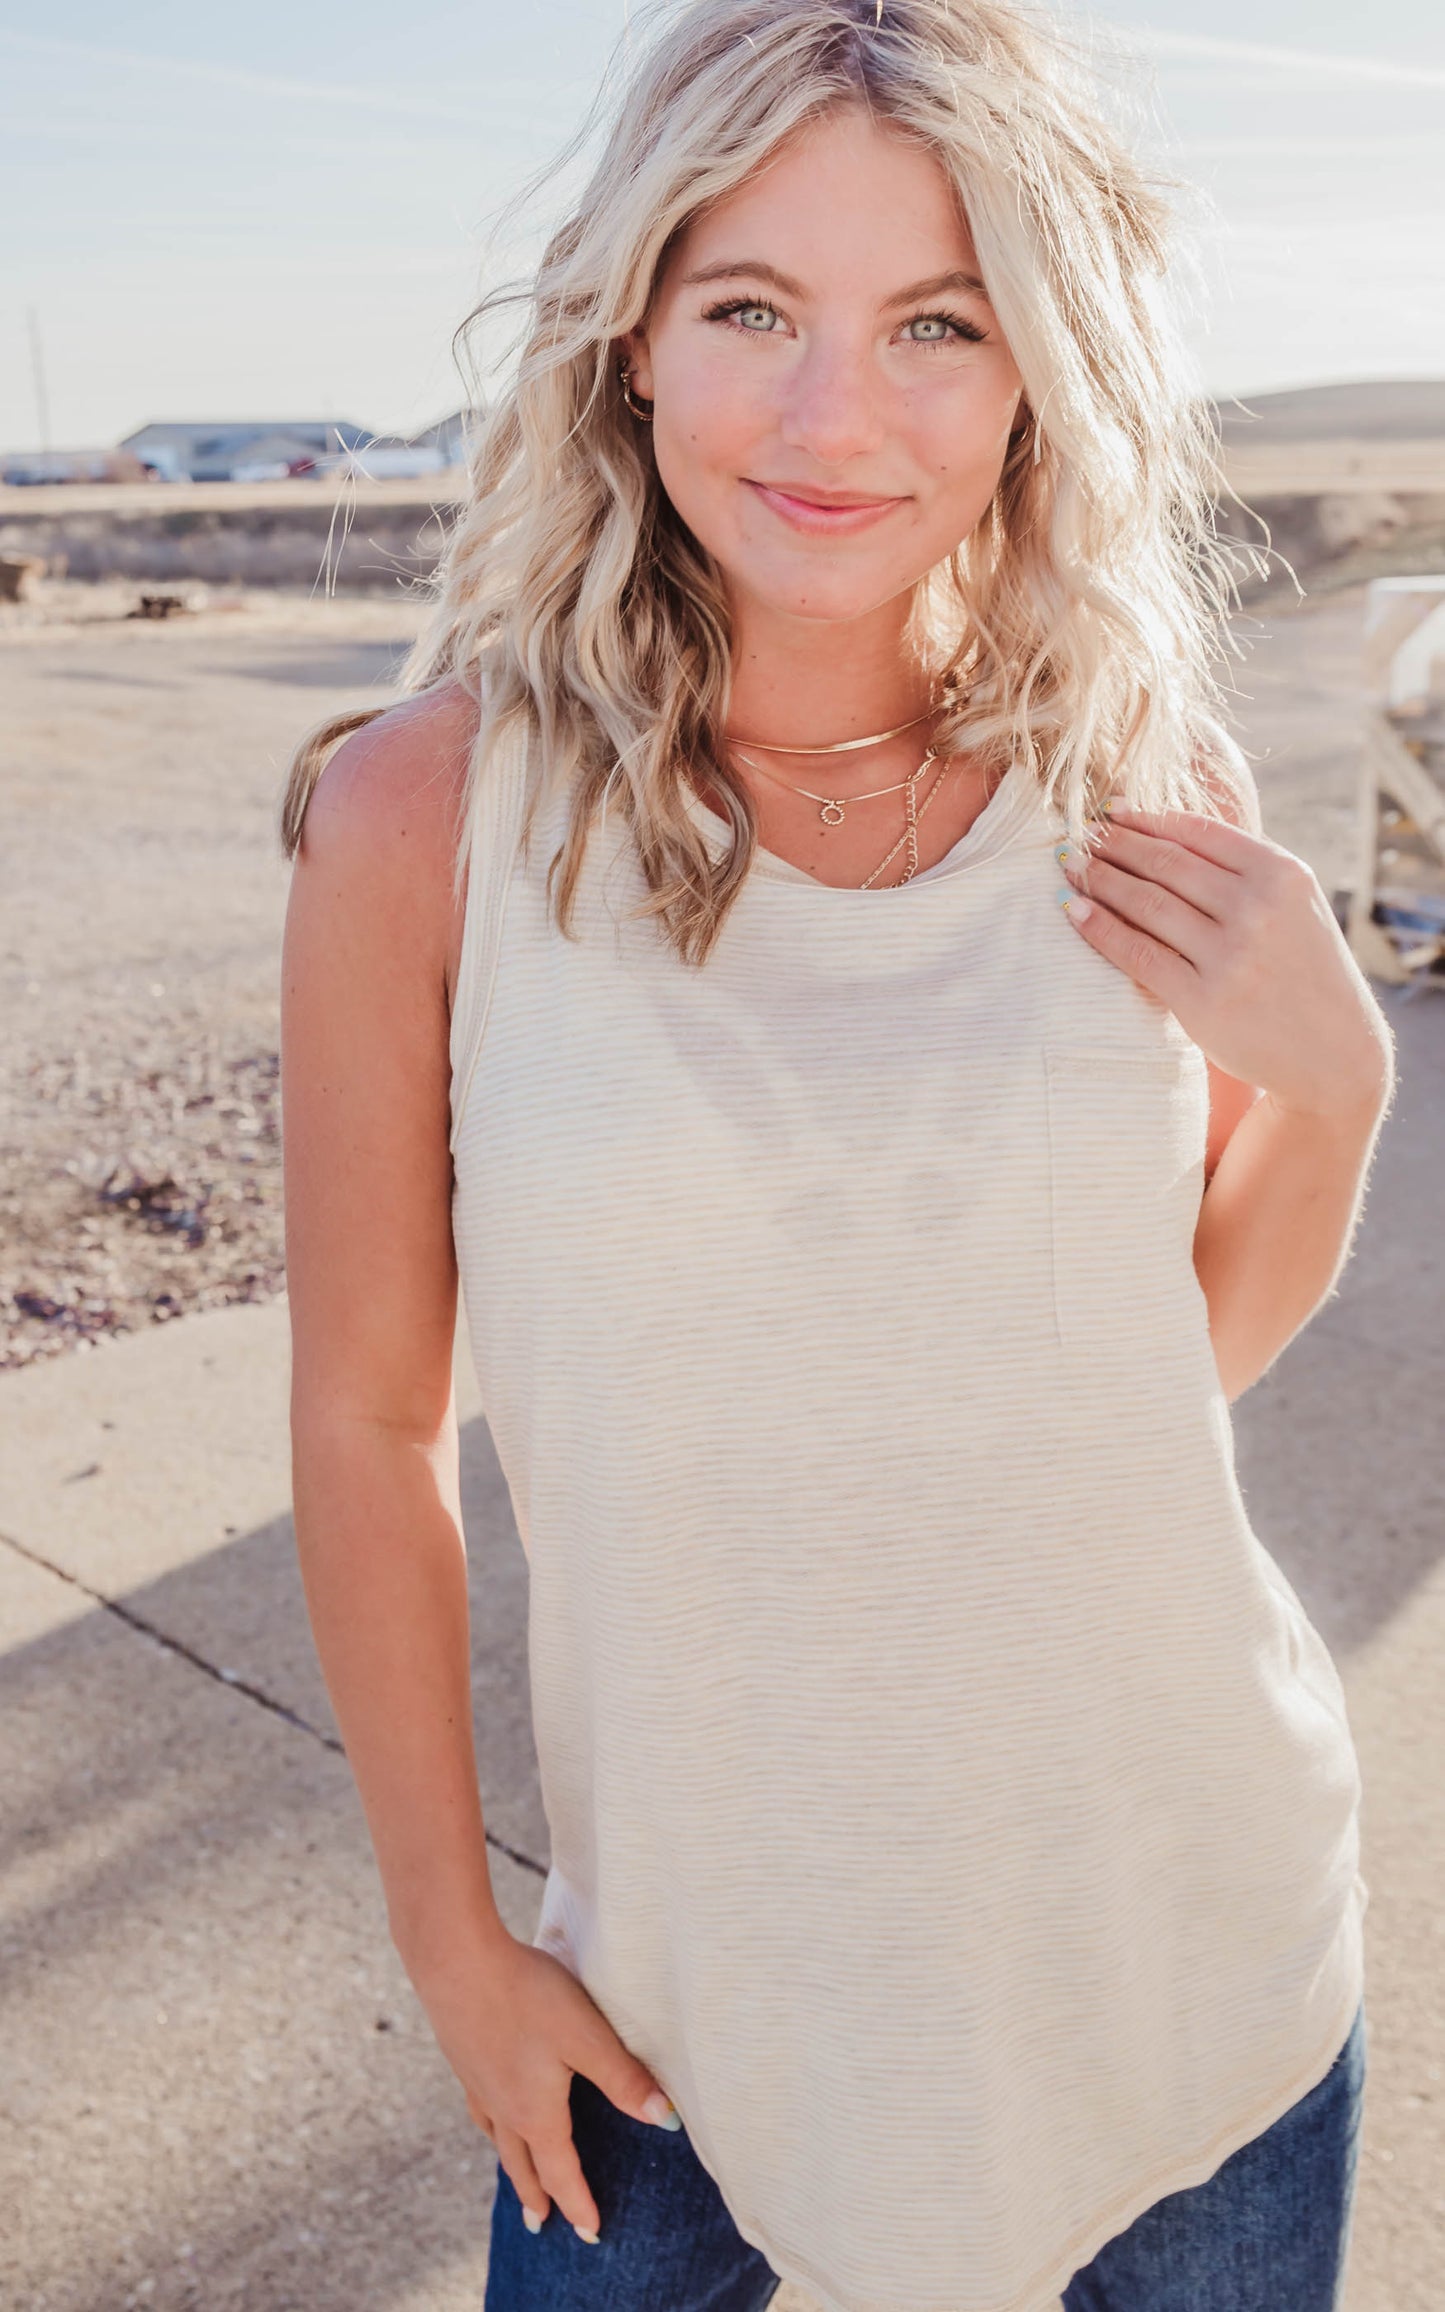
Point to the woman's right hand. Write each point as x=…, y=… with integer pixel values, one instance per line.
x=514, y=2026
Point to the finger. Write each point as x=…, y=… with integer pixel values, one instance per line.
x=1148, y=905
x=1205, y=883
x=1214, y=838
x=559, y=2170
x=1158, y=969
x=1217, y=839
x=515, y=2157
x=624, y=2080
x=483, y=2119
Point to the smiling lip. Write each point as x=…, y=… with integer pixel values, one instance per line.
x=826, y=516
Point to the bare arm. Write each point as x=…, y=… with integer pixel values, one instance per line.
x=1276, y=1224
x=372, y=1284
x=373, y=1296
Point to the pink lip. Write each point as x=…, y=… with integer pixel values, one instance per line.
x=825, y=516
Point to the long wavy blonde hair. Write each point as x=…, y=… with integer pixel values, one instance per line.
x=1078, y=626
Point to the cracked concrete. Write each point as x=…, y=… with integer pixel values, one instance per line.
x=218, y=2086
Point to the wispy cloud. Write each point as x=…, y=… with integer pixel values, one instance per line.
x=183, y=135
x=536, y=94
x=1206, y=145
x=1384, y=72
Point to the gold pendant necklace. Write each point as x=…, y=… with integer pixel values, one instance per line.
x=834, y=809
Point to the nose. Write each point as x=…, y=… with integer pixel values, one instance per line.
x=832, y=409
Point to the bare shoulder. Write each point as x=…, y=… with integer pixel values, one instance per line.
x=383, y=819
x=365, y=1067
x=397, y=779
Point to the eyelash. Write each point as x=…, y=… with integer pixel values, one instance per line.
x=968, y=331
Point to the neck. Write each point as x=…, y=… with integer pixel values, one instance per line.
x=811, y=681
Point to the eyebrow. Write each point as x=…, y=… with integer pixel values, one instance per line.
x=728, y=269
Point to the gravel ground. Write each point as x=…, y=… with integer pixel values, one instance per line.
x=143, y=894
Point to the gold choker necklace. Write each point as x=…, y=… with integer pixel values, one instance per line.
x=840, y=746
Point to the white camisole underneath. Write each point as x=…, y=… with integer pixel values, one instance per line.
x=950, y=1800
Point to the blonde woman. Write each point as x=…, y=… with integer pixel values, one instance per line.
x=954, y=1893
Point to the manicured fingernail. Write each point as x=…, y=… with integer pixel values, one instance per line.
x=584, y=2234
x=660, y=2111
x=532, y=2220
x=1077, y=907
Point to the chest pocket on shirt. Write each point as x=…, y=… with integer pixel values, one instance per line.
x=1127, y=1133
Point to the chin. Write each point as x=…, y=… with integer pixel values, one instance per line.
x=830, y=593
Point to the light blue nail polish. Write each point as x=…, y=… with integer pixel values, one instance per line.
x=1064, y=894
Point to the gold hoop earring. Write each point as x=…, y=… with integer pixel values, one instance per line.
x=642, y=409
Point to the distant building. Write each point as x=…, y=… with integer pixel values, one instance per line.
x=208, y=452
x=403, y=456
x=454, y=436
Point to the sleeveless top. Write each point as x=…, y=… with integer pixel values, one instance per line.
x=950, y=1800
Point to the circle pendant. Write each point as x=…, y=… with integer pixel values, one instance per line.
x=831, y=814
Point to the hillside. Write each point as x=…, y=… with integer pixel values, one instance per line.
x=1390, y=410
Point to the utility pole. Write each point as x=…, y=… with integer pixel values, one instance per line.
x=37, y=365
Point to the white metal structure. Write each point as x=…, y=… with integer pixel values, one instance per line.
x=1396, y=915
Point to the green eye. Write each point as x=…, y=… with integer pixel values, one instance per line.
x=749, y=314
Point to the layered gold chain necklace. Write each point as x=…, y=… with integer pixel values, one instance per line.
x=833, y=809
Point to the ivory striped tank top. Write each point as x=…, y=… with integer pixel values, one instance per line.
x=950, y=1799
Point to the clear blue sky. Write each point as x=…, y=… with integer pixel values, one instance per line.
x=280, y=212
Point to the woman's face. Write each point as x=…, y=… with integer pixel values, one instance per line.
x=833, y=395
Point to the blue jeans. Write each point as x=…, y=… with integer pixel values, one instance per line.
x=1267, y=2232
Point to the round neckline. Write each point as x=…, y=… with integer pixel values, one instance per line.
x=773, y=868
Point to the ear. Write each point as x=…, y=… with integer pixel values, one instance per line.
x=633, y=350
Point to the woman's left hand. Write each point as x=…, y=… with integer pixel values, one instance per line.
x=1234, y=934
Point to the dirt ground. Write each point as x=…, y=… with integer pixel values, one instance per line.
x=142, y=892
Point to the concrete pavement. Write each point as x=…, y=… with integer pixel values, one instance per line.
x=216, y=2086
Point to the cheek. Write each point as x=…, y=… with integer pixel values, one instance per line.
x=960, y=438
x=709, y=426
x=965, y=429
